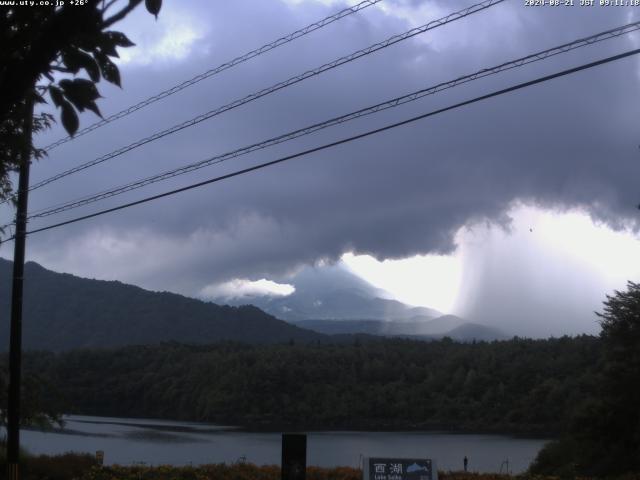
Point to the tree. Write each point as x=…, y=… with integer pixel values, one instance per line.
x=46, y=53
x=45, y=50
x=620, y=393
x=604, y=438
x=42, y=406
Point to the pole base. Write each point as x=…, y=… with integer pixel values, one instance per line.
x=13, y=471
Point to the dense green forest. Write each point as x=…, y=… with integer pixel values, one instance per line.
x=527, y=386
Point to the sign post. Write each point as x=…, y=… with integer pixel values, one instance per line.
x=294, y=456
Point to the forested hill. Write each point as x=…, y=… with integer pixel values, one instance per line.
x=525, y=386
x=63, y=312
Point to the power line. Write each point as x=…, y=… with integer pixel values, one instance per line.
x=608, y=34
x=214, y=71
x=278, y=86
x=342, y=141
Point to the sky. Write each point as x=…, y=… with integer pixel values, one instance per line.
x=518, y=212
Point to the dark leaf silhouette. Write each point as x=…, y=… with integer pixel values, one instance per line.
x=109, y=69
x=69, y=118
x=119, y=39
x=153, y=6
x=56, y=96
x=76, y=59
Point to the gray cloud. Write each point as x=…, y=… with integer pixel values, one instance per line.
x=572, y=142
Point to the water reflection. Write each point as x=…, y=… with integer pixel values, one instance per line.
x=154, y=442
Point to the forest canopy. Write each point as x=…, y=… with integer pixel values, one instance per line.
x=527, y=386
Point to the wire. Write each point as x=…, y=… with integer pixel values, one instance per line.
x=608, y=34
x=278, y=86
x=214, y=71
x=342, y=141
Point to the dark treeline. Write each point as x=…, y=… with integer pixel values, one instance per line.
x=518, y=386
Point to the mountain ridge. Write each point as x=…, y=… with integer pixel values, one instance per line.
x=63, y=311
x=450, y=326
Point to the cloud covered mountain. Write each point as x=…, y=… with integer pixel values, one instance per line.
x=334, y=293
x=332, y=300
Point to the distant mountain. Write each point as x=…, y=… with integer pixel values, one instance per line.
x=62, y=311
x=344, y=327
x=440, y=326
x=446, y=325
x=334, y=301
x=334, y=293
x=475, y=331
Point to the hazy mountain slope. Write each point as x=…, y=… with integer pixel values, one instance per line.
x=62, y=312
x=440, y=325
x=335, y=327
x=447, y=325
x=334, y=293
x=475, y=331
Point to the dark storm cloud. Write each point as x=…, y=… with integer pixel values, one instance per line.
x=572, y=142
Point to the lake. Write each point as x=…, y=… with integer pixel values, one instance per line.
x=128, y=441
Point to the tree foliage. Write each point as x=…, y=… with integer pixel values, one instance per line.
x=525, y=386
x=59, y=53
x=41, y=404
x=620, y=395
x=604, y=437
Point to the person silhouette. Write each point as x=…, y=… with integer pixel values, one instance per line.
x=465, y=462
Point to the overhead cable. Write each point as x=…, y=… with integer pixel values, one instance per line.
x=214, y=71
x=535, y=57
x=340, y=142
x=278, y=86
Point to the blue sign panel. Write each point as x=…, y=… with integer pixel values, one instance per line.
x=400, y=469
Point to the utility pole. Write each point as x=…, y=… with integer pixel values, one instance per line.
x=15, y=336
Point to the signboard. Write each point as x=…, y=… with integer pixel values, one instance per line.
x=100, y=457
x=399, y=469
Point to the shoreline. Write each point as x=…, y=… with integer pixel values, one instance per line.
x=275, y=427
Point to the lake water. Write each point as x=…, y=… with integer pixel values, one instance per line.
x=130, y=441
